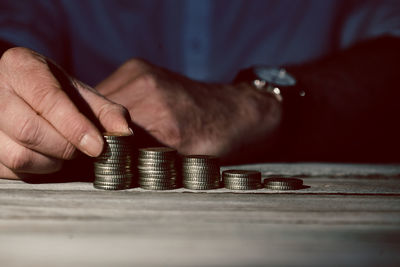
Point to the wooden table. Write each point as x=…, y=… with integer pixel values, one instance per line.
x=350, y=216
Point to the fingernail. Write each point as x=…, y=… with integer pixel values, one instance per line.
x=126, y=130
x=91, y=145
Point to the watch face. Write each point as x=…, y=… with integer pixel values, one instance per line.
x=275, y=76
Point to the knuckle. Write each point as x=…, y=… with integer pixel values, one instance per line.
x=15, y=54
x=135, y=63
x=21, y=55
x=74, y=129
x=68, y=151
x=29, y=133
x=45, y=99
x=147, y=80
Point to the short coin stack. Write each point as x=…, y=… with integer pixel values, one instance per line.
x=113, y=168
x=242, y=179
x=283, y=183
x=156, y=168
x=200, y=172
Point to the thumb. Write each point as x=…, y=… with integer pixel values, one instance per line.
x=110, y=116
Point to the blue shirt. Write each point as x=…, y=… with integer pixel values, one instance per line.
x=203, y=39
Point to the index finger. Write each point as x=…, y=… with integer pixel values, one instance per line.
x=30, y=77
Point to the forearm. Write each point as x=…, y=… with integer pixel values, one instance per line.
x=351, y=109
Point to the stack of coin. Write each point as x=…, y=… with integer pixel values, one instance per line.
x=200, y=172
x=113, y=168
x=156, y=168
x=283, y=183
x=242, y=179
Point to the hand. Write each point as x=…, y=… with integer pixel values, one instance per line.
x=193, y=117
x=40, y=126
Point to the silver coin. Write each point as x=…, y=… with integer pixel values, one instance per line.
x=117, y=146
x=120, y=184
x=117, y=136
x=111, y=165
x=115, y=154
x=242, y=187
x=200, y=179
x=122, y=167
x=194, y=172
x=200, y=158
x=157, y=183
x=194, y=184
x=157, y=159
x=150, y=178
x=241, y=183
x=114, y=162
x=121, y=187
x=281, y=187
x=157, y=153
x=156, y=187
x=112, y=171
x=200, y=172
x=241, y=172
x=157, y=150
x=155, y=169
x=115, y=175
x=241, y=180
x=201, y=187
x=112, y=178
x=293, y=182
x=156, y=175
x=156, y=164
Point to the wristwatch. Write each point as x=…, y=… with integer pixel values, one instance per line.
x=274, y=80
x=292, y=97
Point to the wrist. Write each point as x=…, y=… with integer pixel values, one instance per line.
x=261, y=117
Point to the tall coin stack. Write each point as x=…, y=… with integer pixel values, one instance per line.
x=113, y=168
x=156, y=168
x=242, y=179
x=200, y=172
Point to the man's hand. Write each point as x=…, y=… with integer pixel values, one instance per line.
x=193, y=117
x=40, y=126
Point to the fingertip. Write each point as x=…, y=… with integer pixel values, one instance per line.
x=91, y=144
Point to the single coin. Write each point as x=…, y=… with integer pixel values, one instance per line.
x=241, y=173
x=192, y=184
x=157, y=184
x=292, y=182
x=112, y=165
x=281, y=187
x=201, y=180
x=157, y=152
x=110, y=183
x=115, y=162
x=156, y=187
x=242, y=183
x=242, y=187
x=114, y=176
x=103, y=187
x=116, y=135
x=112, y=172
x=201, y=187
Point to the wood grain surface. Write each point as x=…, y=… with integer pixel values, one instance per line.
x=349, y=216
